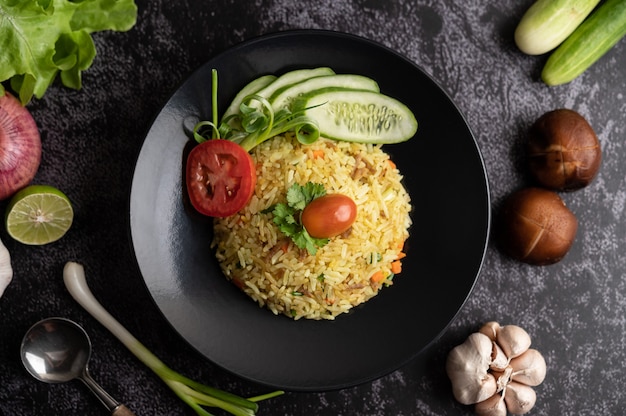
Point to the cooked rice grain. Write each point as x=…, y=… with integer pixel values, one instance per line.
x=251, y=249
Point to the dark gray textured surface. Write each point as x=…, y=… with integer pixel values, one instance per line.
x=574, y=310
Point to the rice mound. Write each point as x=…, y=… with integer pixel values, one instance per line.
x=255, y=255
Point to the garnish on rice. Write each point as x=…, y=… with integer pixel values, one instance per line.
x=307, y=103
x=311, y=217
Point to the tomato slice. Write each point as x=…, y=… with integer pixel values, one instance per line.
x=220, y=178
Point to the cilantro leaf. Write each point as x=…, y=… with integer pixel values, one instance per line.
x=303, y=240
x=299, y=196
x=40, y=39
x=287, y=216
x=284, y=217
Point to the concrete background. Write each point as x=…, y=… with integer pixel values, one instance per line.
x=574, y=311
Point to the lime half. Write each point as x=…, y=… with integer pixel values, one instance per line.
x=39, y=214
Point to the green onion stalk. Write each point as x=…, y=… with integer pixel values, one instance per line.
x=258, y=122
x=195, y=394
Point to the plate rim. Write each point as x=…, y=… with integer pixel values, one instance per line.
x=268, y=37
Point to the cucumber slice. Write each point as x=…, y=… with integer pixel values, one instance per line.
x=359, y=116
x=292, y=77
x=284, y=97
x=250, y=88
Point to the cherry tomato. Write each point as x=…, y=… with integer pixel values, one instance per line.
x=220, y=177
x=329, y=215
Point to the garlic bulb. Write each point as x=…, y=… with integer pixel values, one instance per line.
x=468, y=365
x=495, y=369
x=6, y=271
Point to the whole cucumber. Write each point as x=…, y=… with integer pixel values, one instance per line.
x=547, y=23
x=588, y=43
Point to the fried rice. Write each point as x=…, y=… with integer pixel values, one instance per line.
x=353, y=267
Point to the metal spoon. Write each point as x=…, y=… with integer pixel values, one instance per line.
x=56, y=350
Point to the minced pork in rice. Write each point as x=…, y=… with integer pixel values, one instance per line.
x=272, y=270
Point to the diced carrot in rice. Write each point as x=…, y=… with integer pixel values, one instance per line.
x=377, y=277
x=396, y=267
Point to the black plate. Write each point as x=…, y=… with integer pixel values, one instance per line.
x=444, y=174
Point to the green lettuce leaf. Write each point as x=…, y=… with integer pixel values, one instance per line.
x=40, y=39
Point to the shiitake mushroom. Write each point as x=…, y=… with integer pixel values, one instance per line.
x=563, y=151
x=535, y=226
